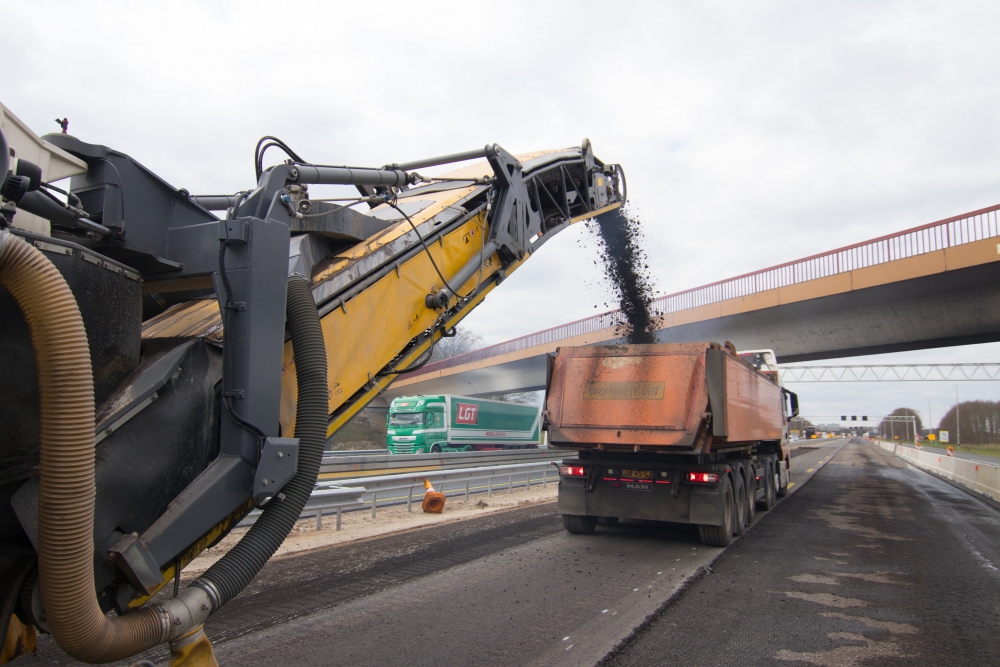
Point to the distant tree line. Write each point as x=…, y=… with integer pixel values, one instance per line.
x=980, y=423
x=799, y=424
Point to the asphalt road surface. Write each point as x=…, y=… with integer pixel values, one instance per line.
x=872, y=563
x=507, y=588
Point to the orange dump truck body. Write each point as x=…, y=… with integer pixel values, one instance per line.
x=678, y=397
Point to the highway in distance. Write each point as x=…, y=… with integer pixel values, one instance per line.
x=870, y=559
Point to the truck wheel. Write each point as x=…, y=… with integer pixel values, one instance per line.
x=608, y=520
x=782, y=488
x=721, y=536
x=769, y=488
x=740, y=519
x=435, y=449
x=751, y=495
x=579, y=525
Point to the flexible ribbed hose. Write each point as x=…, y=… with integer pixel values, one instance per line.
x=234, y=571
x=66, y=469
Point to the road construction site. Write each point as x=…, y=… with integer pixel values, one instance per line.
x=188, y=443
x=849, y=562
x=507, y=585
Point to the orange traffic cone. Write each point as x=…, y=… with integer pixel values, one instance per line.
x=433, y=500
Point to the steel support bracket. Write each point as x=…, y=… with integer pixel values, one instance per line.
x=513, y=222
x=279, y=460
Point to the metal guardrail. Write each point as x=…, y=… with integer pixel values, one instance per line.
x=361, y=463
x=948, y=233
x=338, y=496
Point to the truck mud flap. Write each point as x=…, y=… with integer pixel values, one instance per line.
x=573, y=496
x=706, y=507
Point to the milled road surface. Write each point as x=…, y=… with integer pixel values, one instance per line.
x=873, y=563
x=506, y=588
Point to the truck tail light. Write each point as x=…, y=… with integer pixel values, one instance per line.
x=571, y=471
x=703, y=477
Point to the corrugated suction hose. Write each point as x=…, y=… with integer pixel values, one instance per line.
x=234, y=571
x=66, y=468
x=66, y=471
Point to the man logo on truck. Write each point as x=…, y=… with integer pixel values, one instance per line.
x=467, y=414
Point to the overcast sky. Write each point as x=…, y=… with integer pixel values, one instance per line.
x=752, y=133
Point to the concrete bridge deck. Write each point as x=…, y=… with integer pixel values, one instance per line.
x=931, y=286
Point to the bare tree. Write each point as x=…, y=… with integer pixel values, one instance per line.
x=466, y=341
x=463, y=341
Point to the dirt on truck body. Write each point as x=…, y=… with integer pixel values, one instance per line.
x=687, y=432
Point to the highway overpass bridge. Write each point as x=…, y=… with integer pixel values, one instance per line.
x=936, y=285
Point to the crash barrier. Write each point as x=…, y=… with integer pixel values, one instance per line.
x=344, y=465
x=983, y=478
x=397, y=489
x=336, y=497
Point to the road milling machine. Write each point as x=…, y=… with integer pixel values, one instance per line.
x=171, y=361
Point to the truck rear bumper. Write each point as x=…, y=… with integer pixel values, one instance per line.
x=697, y=505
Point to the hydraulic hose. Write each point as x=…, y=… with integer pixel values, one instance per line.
x=67, y=488
x=66, y=468
x=234, y=571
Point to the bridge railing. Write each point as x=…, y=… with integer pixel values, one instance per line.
x=948, y=233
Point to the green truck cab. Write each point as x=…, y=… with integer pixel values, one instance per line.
x=431, y=424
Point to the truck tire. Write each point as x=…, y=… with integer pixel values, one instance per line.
x=719, y=536
x=767, y=504
x=782, y=488
x=435, y=449
x=751, y=494
x=740, y=518
x=579, y=525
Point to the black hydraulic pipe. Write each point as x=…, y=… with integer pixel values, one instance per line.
x=307, y=173
x=44, y=206
x=215, y=202
x=234, y=571
x=444, y=159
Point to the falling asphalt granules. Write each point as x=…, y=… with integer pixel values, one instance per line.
x=619, y=244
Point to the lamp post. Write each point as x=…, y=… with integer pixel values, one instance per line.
x=958, y=419
x=930, y=419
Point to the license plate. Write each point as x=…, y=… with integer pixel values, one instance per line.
x=637, y=486
x=637, y=474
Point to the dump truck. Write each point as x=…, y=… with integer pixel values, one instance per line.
x=430, y=424
x=172, y=360
x=683, y=432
